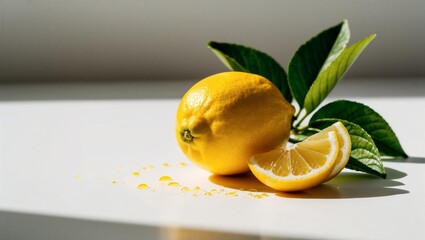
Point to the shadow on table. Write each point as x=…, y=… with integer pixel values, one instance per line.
x=24, y=226
x=119, y=90
x=345, y=185
x=355, y=185
x=406, y=160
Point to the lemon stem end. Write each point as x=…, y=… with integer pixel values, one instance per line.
x=187, y=137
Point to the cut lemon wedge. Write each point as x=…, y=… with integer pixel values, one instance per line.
x=300, y=166
x=344, y=142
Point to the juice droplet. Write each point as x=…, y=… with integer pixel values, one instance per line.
x=250, y=194
x=241, y=189
x=214, y=191
x=165, y=178
x=253, y=190
x=182, y=164
x=150, y=166
x=174, y=184
x=258, y=196
x=114, y=182
x=185, y=189
x=208, y=194
x=232, y=194
x=264, y=195
x=78, y=177
x=136, y=174
x=142, y=186
x=195, y=195
x=165, y=164
x=197, y=188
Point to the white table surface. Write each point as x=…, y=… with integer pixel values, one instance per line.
x=68, y=151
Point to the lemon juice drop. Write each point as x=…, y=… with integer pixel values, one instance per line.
x=165, y=179
x=232, y=194
x=174, y=184
x=143, y=186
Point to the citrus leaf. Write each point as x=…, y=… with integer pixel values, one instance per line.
x=315, y=56
x=328, y=78
x=365, y=155
x=246, y=59
x=358, y=165
x=364, y=116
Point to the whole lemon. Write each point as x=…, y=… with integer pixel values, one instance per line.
x=226, y=118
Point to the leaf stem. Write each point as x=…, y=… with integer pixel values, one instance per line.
x=293, y=140
x=301, y=129
x=297, y=124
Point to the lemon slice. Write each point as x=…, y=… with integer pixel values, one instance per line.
x=344, y=142
x=300, y=166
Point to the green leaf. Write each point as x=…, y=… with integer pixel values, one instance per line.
x=246, y=59
x=358, y=165
x=328, y=78
x=314, y=57
x=364, y=153
x=364, y=116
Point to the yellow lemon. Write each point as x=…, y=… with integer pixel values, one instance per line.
x=344, y=142
x=300, y=166
x=226, y=118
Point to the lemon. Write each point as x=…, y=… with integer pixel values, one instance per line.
x=300, y=166
x=226, y=118
x=344, y=152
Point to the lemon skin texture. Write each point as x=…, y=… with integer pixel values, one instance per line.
x=226, y=118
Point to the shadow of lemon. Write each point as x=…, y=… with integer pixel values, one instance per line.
x=322, y=191
x=243, y=182
x=345, y=185
x=248, y=182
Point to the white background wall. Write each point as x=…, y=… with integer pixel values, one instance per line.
x=56, y=40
